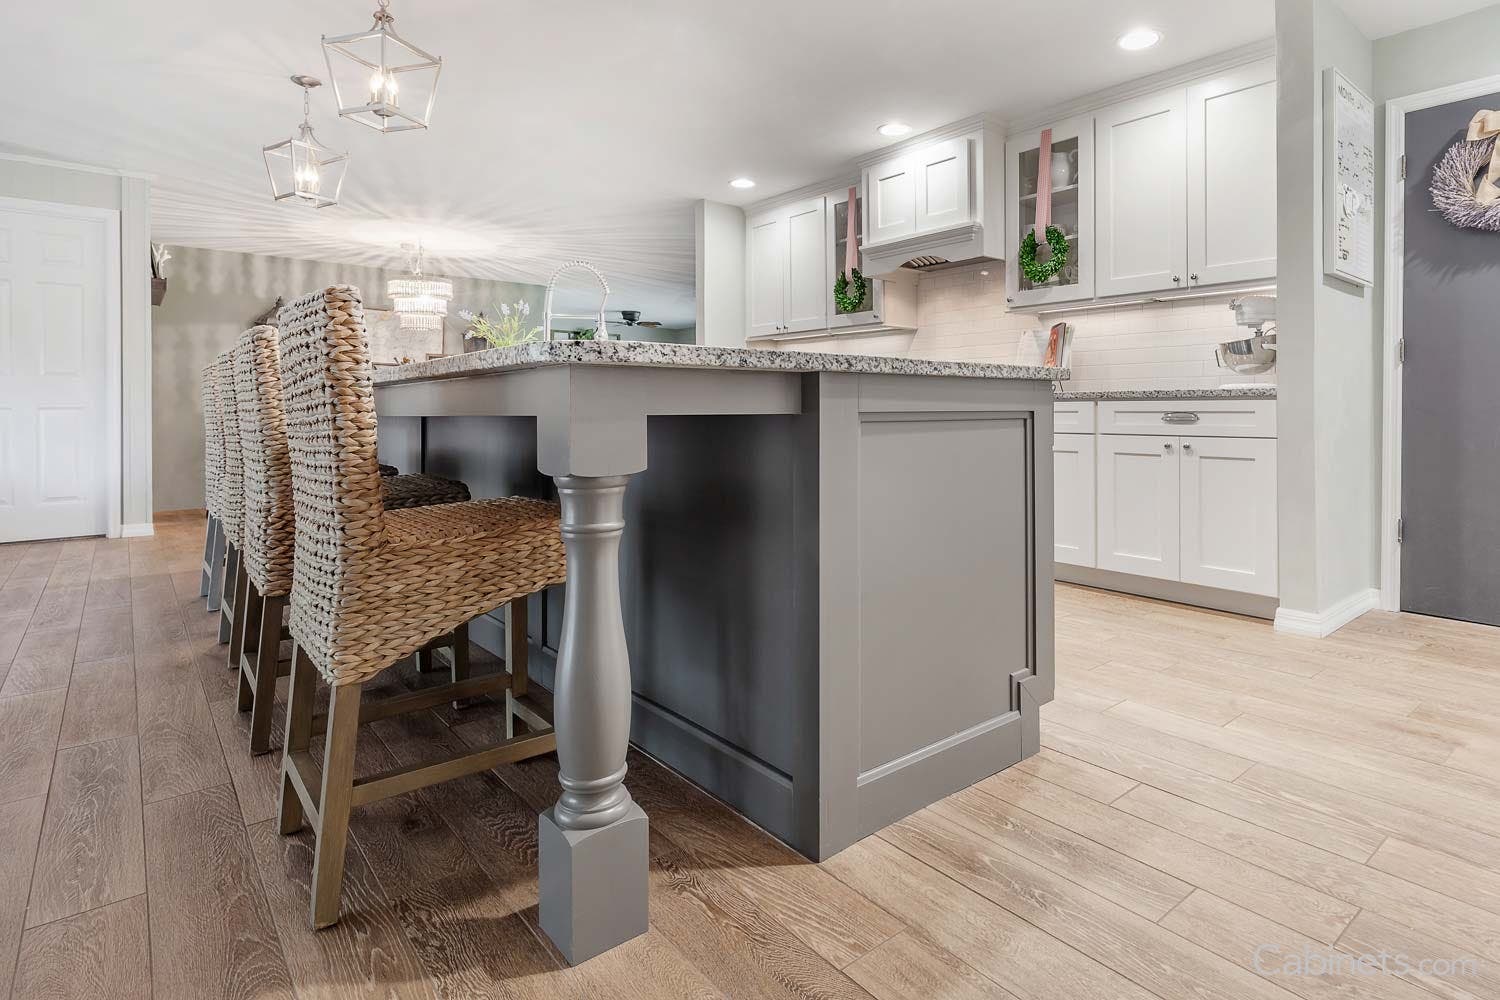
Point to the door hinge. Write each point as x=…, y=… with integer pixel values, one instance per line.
x=1400, y=530
x=1401, y=351
x=1403, y=166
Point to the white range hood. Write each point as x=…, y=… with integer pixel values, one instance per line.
x=934, y=251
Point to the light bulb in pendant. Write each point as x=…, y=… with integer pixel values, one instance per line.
x=308, y=181
x=383, y=88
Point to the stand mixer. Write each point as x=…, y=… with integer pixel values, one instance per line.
x=1256, y=354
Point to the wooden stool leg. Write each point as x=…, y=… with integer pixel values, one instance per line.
x=247, y=608
x=226, y=595
x=263, y=665
x=459, y=654
x=334, y=803
x=216, y=566
x=299, y=715
x=424, y=661
x=516, y=652
x=208, y=556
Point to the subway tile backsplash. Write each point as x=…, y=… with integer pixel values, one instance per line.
x=962, y=316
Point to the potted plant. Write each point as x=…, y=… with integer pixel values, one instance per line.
x=509, y=331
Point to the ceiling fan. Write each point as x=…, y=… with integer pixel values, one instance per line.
x=632, y=317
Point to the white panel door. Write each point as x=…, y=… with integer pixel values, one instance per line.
x=807, y=280
x=766, y=281
x=1138, y=505
x=1073, y=499
x=55, y=450
x=1229, y=513
x=1231, y=136
x=1141, y=196
x=893, y=200
x=942, y=185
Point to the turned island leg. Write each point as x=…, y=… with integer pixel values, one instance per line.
x=593, y=846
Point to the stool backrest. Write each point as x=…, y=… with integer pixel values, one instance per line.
x=213, y=440
x=267, y=546
x=329, y=403
x=232, y=480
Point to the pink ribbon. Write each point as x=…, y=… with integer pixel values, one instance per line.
x=851, y=247
x=1044, y=187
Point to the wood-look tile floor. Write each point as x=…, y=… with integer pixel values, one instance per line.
x=1209, y=793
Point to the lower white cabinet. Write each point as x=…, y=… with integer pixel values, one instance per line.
x=1190, y=507
x=1228, y=513
x=1073, y=498
x=1138, y=513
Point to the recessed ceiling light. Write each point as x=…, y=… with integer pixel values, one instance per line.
x=742, y=183
x=894, y=130
x=1137, y=39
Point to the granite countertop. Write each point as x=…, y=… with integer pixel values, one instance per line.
x=649, y=354
x=1247, y=391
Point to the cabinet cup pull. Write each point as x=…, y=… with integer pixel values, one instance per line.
x=1179, y=417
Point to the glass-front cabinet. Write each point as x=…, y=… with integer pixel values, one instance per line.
x=869, y=311
x=1070, y=168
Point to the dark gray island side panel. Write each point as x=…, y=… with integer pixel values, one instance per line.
x=835, y=616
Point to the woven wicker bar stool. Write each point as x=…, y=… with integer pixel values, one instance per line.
x=371, y=586
x=211, y=583
x=268, y=537
x=231, y=507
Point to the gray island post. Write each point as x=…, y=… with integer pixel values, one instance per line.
x=820, y=586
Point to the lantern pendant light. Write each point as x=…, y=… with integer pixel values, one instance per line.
x=379, y=78
x=302, y=167
x=420, y=302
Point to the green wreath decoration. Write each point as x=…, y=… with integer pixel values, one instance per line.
x=1039, y=273
x=849, y=292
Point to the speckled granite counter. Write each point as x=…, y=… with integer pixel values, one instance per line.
x=1238, y=392
x=647, y=354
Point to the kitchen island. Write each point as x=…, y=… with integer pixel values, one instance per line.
x=820, y=586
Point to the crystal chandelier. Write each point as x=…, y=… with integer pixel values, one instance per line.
x=302, y=167
x=379, y=78
x=420, y=302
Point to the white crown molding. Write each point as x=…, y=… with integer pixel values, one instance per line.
x=964, y=126
x=1175, y=77
x=83, y=168
x=1319, y=625
x=839, y=182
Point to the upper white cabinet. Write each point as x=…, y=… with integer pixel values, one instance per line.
x=1141, y=195
x=1231, y=150
x=1183, y=185
x=1071, y=172
x=786, y=263
x=765, y=278
x=893, y=199
x=807, y=280
x=941, y=185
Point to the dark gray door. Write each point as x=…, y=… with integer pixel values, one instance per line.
x=1450, y=476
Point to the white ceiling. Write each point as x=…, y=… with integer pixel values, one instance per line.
x=1378, y=18
x=562, y=128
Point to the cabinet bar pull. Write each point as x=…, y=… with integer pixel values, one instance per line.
x=1179, y=417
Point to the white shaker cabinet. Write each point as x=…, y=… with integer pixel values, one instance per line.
x=1228, y=513
x=1140, y=196
x=765, y=264
x=892, y=191
x=1072, y=174
x=1073, y=463
x=1231, y=150
x=1138, y=505
x=941, y=176
x=787, y=269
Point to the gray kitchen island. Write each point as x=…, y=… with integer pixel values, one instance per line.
x=819, y=586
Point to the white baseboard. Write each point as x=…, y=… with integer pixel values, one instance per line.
x=143, y=530
x=1318, y=625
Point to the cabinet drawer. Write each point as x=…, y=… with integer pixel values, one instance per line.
x=1254, y=418
x=1073, y=416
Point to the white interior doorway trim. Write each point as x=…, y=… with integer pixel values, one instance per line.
x=109, y=220
x=1396, y=111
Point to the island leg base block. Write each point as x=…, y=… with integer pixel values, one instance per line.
x=594, y=884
